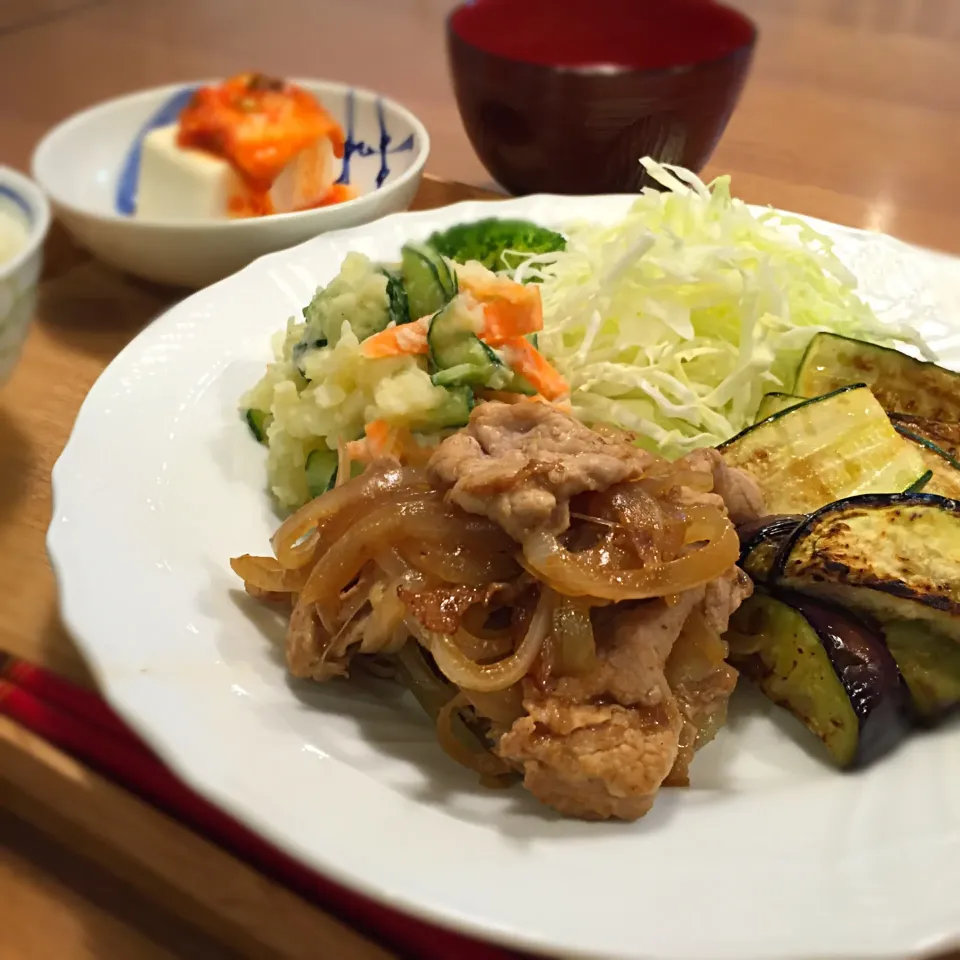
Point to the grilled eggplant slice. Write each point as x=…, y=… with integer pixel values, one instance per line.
x=893, y=557
x=930, y=664
x=760, y=542
x=825, y=449
x=899, y=382
x=827, y=668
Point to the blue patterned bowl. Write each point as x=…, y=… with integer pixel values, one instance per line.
x=25, y=216
x=89, y=166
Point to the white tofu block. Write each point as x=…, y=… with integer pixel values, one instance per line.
x=177, y=183
x=306, y=180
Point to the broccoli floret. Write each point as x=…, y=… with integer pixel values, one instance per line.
x=486, y=241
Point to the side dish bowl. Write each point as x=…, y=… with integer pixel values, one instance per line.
x=88, y=166
x=27, y=210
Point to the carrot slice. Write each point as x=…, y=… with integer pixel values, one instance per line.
x=382, y=439
x=505, y=318
x=408, y=339
x=510, y=309
x=525, y=359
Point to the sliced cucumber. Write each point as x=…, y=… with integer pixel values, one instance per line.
x=397, y=294
x=462, y=373
x=459, y=355
x=428, y=281
x=823, y=450
x=258, y=421
x=900, y=383
x=321, y=470
x=519, y=384
x=453, y=412
x=771, y=403
x=448, y=278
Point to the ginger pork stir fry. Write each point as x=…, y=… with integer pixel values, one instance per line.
x=553, y=595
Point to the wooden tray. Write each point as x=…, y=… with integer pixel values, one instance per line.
x=87, y=313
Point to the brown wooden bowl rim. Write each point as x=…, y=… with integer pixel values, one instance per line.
x=616, y=71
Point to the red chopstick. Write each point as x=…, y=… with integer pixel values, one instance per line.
x=80, y=723
x=61, y=693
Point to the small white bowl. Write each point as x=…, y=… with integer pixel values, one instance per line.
x=88, y=165
x=22, y=202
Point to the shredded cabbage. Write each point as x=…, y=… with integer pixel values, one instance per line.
x=675, y=321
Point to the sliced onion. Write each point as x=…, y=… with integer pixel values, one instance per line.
x=483, y=648
x=488, y=678
x=573, y=575
x=574, y=645
x=297, y=537
x=484, y=762
x=480, y=557
x=388, y=611
x=343, y=561
x=265, y=573
x=502, y=707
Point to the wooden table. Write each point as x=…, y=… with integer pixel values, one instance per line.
x=852, y=113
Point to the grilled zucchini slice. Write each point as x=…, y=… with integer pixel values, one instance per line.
x=828, y=669
x=771, y=403
x=944, y=469
x=823, y=450
x=900, y=383
x=892, y=557
x=942, y=434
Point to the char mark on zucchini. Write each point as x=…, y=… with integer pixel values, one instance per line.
x=901, y=383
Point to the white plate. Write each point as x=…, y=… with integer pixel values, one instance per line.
x=769, y=855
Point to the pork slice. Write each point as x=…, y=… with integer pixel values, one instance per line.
x=519, y=464
x=594, y=761
x=737, y=490
x=723, y=596
x=599, y=746
x=632, y=647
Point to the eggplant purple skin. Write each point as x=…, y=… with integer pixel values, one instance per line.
x=766, y=534
x=867, y=671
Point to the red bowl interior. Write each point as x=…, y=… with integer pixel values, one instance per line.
x=625, y=34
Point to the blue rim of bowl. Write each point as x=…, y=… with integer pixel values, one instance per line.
x=29, y=198
x=420, y=149
x=614, y=70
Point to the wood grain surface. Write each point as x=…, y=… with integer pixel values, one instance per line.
x=852, y=110
x=851, y=113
